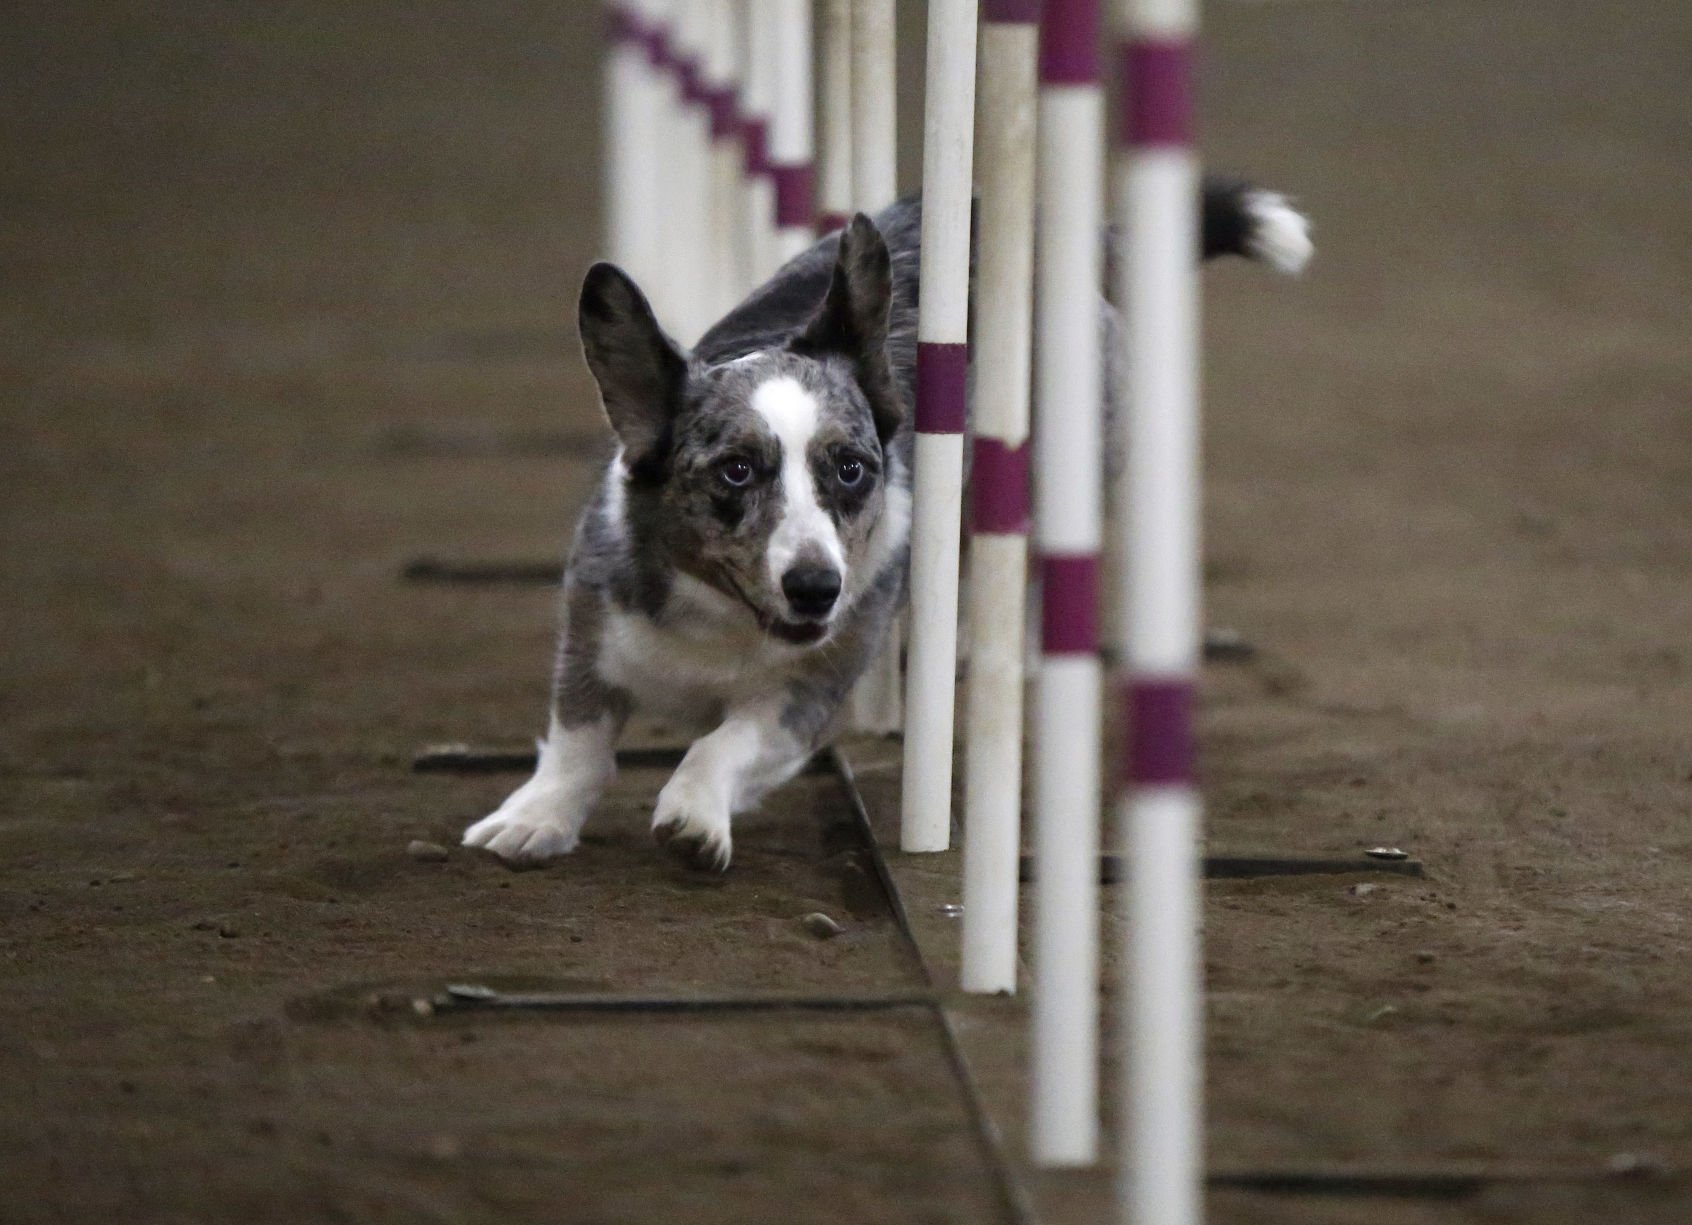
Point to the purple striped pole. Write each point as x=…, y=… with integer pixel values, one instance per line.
x=632, y=173
x=758, y=97
x=942, y=366
x=875, y=92
x=834, y=129
x=692, y=248
x=792, y=140
x=720, y=71
x=640, y=227
x=1161, y=1167
x=998, y=576
x=876, y=702
x=1068, y=525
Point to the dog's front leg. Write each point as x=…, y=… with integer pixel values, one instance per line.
x=725, y=772
x=543, y=818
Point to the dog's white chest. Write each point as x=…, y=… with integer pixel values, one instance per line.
x=707, y=653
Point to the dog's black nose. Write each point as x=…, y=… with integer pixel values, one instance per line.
x=811, y=590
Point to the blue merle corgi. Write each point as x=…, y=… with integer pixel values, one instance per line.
x=746, y=550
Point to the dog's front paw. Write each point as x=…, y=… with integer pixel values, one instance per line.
x=531, y=827
x=693, y=825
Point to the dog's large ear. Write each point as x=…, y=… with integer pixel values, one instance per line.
x=853, y=319
x=640, y=370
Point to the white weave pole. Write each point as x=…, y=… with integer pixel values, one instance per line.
x=877, y=705
x=1161, y=1179
x=792, y=134
x=631, y=142
x=875, y=114
x=691, y=248
x=998, y=576
x=660, y=121
x=1068, y=518
x=942, y=376
x=720, y=69
x=757, y=37
x=835, y=198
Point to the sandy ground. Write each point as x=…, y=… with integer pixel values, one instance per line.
x=250, y=261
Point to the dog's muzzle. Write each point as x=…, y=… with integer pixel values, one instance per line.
x=811, y=591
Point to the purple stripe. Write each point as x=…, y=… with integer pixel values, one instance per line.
x=998, y=487
x=1157, y=94
x=658, y=51
x=1160, y=733
x=793, y=194
x=1069, y=42
x=942, y=374
x=1010, y=11
x=1069, y=604
x=755, y=133
x=693, y=89
x=828, y=223
x=724, y=104
x=623, y=25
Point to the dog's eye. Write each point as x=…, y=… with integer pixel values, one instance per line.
x=736, y=472
x=850, y=471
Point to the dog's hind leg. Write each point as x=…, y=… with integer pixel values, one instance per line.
x=543, y=818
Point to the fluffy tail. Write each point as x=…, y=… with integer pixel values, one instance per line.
x=1243, y=220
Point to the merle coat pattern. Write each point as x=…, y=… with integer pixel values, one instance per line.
x=746, y=551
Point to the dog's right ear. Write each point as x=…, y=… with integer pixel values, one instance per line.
x=640, y=370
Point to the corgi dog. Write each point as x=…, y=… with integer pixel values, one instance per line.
x=745, y=553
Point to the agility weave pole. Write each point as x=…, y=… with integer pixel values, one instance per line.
x=835, y=198
x=757, y=103
x=1161, y=1161
x=998, y=578
x=942, y=377
x=875, y=91
x=1069, y=528
x=792, y=138
x=658, y=134
x=877, y=700
x=633, y=93
x=731, y=247
x=709, y=146
x=711, y=180
x=690, y=247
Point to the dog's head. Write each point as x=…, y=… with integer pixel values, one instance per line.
x=765, y=476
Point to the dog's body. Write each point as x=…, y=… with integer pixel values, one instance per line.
x=746, y=551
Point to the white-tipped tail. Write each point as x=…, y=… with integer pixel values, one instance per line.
x=1277, y=233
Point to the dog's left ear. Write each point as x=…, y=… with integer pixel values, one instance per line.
x=852, y=320
x=640, y=370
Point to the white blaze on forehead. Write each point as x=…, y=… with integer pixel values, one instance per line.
x=805, y=529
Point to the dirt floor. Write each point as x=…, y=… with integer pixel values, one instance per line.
x=286, y=300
